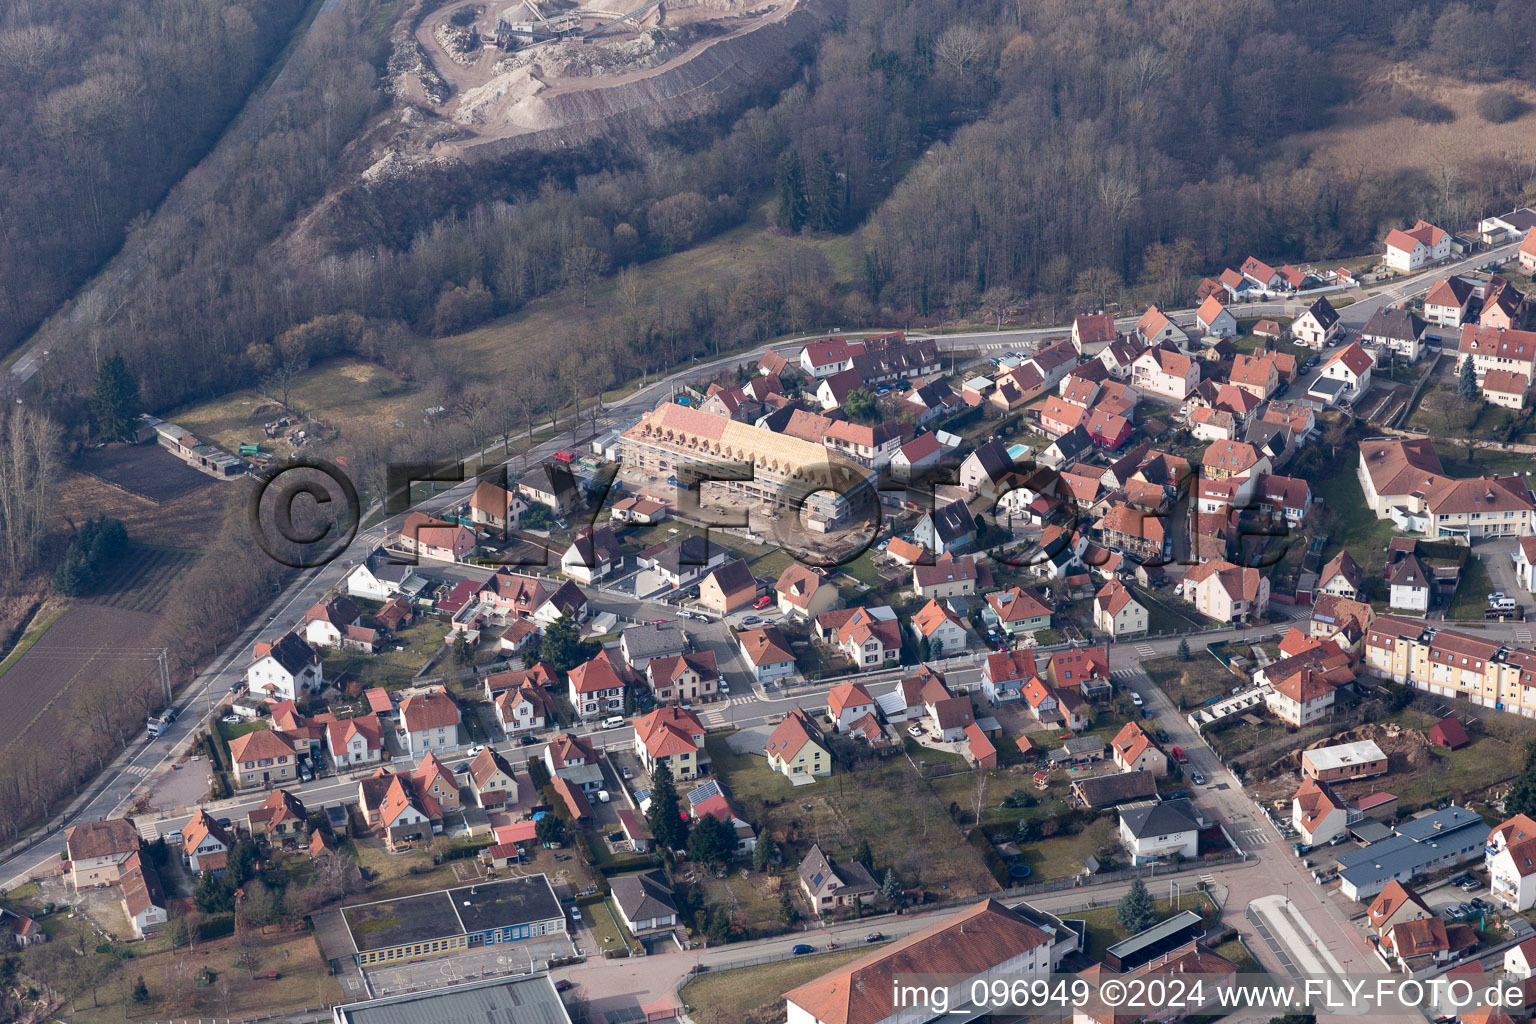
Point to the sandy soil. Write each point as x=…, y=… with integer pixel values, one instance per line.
x=496, y=94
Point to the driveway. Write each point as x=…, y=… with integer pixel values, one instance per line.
x=1496, y=555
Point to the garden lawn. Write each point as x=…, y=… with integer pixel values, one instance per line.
x=1472, y=589
x=885, y=803
x=1104, y=931
x=1191, y=683
x=1350, y=522
x=753, y=898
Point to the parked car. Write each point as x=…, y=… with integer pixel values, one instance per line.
x=1180, y=756
x=801, y=949
x=575, y=913
x=874, y=937
x=750, y=620
x=474, y=751
x=763, y=602
x=564, y=985
x=1136, y=699
x=1197, y=778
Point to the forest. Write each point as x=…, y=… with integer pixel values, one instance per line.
x=102, y=108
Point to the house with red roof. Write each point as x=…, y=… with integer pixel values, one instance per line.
x=1351, y=366
x=597, y=688
x=1093, y=329
x=1411, y=249
x=1215, y=319
x=355, y=741
x=847, y=703
x=1134, y=751
x=429, y=721
x=1166, y=371
x=671, y=736
x=795, y=748
x=429, y=537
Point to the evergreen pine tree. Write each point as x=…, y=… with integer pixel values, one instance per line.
x=1466, y=385
x=666, y=823
x=1136, y=910
x=113, y=403
x=789, y=183
x=1184, y=650
x=890, y=888
x=823, y=194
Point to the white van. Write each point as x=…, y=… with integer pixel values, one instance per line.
x=613, y=722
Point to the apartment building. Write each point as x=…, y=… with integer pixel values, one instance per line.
x=1450, y=663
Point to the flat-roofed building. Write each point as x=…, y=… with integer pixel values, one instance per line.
x=525, y=999
x=452, y=920
x=1359, y=760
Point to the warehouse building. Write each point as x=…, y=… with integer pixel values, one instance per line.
x=528, y=999
x=1421, y=846
x=452, y=920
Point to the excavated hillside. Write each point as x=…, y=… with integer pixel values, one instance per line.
x=682, y=60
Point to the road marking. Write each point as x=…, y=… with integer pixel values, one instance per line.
x=1124, y=673
x=137, y=769
x=1523, y=636
x=1145, y=651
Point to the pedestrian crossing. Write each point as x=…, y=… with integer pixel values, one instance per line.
x=1123, y=673
x=1523, y=636
x=140, y=770
x=1145, y=651
x=149, y=829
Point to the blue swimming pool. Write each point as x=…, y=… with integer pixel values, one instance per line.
x=1018, y=451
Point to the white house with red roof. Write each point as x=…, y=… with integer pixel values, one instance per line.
x=1093, y=329
x=1117, y=612
x=355, y=741
x=429, y=721
x=847, y=703
x=597, y=689
x=1156, y=327
x=1510, y=857
x=828, y=356
x=1134, y=751
x=1527, y=253
x=1507, y=388
x=1261, y=274
x=1165, y=371
x=1351, y=366
x=1215, y=319
x=869, y=637
x=912, y=459
x=429, y=537
x=937, y=625
x=1419, y=245
x=1492, y=349
x=1317, y=814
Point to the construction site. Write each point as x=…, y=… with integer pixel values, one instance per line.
x=514, y=74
